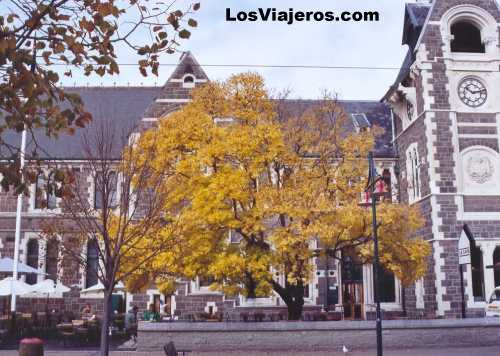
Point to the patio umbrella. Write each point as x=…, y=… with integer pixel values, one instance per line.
x=7, y=285
x=99, y=287
x=7, y=266
x=48, y=286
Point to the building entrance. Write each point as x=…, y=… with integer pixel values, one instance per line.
x=352, y=287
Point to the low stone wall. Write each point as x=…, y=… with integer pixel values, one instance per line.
x=304, y=336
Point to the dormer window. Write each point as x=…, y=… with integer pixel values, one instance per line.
x=188, y=81
x=360, y=122
x=466, y=38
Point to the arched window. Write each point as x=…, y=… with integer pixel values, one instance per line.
x=32, y=260
x=51, y=258
x=188, y=81
x=477, y=274
x=45, y=196
x=92, y=264
x=466, y=38
x=413, y=173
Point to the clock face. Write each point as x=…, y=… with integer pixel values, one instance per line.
x=409, y=110
x=472, y=92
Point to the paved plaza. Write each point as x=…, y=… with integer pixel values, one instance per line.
x=482, y=351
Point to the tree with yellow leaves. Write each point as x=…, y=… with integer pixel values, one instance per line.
x=256, y=190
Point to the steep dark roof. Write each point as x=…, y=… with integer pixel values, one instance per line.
x=124, y=107
x=377, y=113
x=121, y=106
x=415, y=17
x=121, y=109
x=188, y=64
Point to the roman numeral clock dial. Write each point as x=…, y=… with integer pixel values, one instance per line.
x=472, y=92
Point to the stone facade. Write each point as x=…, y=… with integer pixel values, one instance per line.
x=457, y=145
x=442, y=155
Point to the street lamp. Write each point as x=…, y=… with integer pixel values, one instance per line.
x=375, y=188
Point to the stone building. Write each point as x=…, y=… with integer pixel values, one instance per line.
x=440, y=150
x=446, y=105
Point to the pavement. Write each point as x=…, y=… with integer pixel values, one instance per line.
x=464, y=351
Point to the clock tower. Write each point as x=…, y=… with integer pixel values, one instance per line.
x=446, y=105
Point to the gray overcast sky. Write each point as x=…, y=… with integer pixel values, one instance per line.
x=216, y=41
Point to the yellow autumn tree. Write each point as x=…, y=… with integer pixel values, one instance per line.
x=255, y=191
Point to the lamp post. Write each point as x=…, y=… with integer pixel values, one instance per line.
x=373, y=179
x=19, y=207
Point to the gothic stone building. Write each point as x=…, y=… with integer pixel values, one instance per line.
x=440, y=150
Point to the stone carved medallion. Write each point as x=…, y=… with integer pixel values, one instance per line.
x=480, y=169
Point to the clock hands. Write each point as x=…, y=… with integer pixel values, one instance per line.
x=477, y=91
x=474, y=91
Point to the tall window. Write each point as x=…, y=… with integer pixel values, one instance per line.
x=413, y=172
x=110, y=186
x=307, y=293
x=51, y=258
x=387, y=283
x=496, y=265
x=477, y=274
x=45, y=196
x=32, y=260
x=466, y=38
x=92, y=264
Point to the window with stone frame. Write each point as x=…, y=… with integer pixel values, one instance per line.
x=188, y=81
x=205, y=281
x=307, y=292
x=496, y=265
x=45, y=197
x=92, y=265
x=32, y=260
x=413, y=173
x=387, y=283
x=110, y=182
x=466, y=38
x=477, y=275
x=51, y=259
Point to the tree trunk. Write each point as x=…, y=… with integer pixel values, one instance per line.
x=104, y=348
x=293, y=296
x=295, y=310
x=250, y=286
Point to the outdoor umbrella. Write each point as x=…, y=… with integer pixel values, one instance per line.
x=99, y=287
x=7, y=285
x=7, y=266
x=48, y=286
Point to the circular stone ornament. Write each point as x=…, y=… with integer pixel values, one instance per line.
x=480, y=169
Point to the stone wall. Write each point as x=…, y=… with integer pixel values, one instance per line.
x=308, y=336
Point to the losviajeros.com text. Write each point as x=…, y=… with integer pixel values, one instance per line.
x=291, y=16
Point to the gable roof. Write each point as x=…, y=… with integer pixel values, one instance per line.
x=123, y=108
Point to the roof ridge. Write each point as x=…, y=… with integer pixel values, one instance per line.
x=112, y=87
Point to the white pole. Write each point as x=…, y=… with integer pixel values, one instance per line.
x=18, y=225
